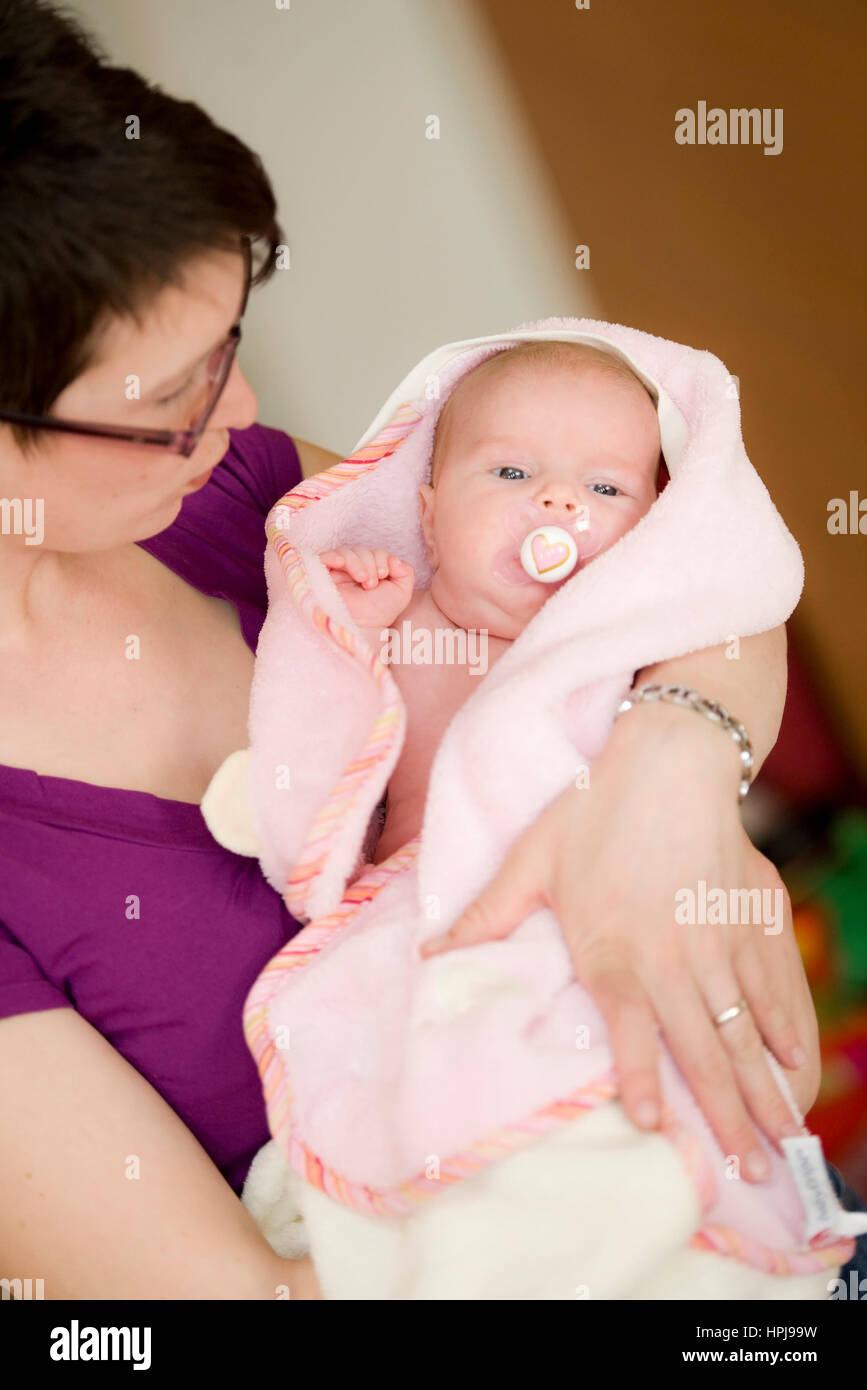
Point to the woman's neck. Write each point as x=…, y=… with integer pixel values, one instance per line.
x=35, y=583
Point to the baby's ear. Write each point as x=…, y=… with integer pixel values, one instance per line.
x=427, y=496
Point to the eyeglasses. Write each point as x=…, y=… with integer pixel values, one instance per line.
x=181, y=442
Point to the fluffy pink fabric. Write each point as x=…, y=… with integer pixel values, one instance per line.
x=393, y=1059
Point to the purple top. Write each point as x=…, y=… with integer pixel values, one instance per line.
x=167, y=989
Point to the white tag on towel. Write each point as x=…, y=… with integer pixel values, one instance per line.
x=824, y=1214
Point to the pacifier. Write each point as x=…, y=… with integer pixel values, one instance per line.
x=549, y=553
x=541, y=550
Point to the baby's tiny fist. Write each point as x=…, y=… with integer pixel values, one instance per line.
x=374, y=585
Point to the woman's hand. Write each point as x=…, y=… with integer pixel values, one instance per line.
x=609, y=859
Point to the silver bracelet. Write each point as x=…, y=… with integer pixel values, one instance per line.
x=679, y=695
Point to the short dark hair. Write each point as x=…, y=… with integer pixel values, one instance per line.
x=93, y=223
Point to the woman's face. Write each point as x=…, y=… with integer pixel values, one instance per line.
x=100, y=493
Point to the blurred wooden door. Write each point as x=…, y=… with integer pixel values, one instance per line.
x=758, y=258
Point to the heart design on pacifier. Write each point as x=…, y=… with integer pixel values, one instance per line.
x=549, y=553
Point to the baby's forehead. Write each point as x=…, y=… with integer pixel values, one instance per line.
x=546, y=359
x=527, y=391
x=492, y=381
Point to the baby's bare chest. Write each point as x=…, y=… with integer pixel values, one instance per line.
x=433, y=695
x=436, y=675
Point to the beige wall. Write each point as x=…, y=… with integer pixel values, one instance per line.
x=398, y=243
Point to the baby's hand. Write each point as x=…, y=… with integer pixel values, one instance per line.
x=375, y=586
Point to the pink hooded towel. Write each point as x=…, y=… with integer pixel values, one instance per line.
x=392, y=1081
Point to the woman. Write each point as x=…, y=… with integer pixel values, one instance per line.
x=128, y=938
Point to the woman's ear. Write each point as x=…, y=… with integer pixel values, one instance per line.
x=427, y=494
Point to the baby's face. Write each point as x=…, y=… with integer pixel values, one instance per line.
x=530, y=444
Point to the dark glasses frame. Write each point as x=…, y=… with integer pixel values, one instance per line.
x=175, y=441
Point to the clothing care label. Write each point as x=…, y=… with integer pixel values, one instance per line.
x=824, y=1214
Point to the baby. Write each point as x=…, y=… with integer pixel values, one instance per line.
x=545, y=433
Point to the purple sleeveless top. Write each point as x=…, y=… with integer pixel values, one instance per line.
x=167, y=989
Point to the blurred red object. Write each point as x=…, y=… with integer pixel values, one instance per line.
x=840, y=1113
x=815, y=942
x=808, y=764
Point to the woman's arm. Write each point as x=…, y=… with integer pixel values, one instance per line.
x=660, y=815
x=747, y=677
x=105, y=1194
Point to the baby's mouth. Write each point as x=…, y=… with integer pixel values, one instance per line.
x=508, y=569
x=524, y=518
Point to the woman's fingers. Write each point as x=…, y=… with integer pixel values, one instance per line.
x=632, y=1031
x=784, y=968
x=772, y=1019
x=744, y=1046
x=742, y=1039
x=723, y=983
x=699, y=1051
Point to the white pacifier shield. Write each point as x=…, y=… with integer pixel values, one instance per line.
x=549, y=553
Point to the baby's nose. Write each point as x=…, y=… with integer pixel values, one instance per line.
x=558, y=497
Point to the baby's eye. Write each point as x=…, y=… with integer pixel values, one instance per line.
x=508, y=470
x=611, y=489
